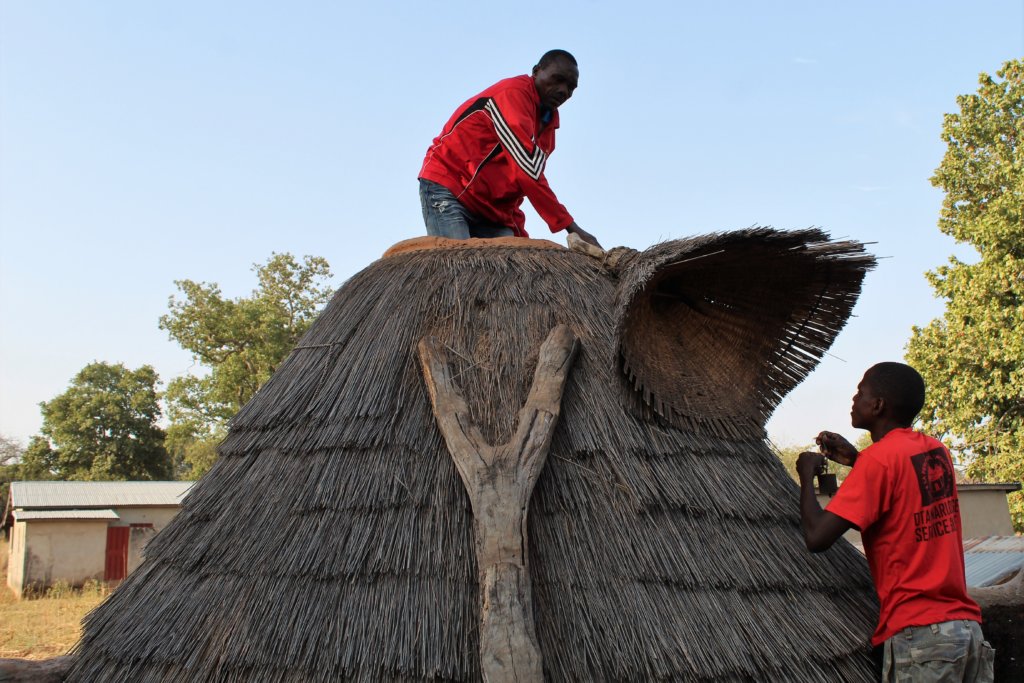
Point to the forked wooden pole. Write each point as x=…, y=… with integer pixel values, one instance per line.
x=500, y=481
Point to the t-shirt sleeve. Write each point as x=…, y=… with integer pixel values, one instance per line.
x=862, y=498
x=515, y=121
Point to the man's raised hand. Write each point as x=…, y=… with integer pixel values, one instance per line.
x=836, y=447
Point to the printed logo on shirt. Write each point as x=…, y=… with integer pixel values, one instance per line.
x=938, y=520
x=940, y=510
x=934, y=475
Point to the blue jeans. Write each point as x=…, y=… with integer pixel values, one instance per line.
x=947, y=651
x=445, y=216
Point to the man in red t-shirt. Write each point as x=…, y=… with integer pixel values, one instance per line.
x=901, y=494
x=492, y=153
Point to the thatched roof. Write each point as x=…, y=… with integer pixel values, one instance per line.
x=333, y=540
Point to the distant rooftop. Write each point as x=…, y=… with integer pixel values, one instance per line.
x=50, y=495
x=988, y=561
x=1009, y=486
x=27, y=515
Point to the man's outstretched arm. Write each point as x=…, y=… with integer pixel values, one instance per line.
x=821, y=528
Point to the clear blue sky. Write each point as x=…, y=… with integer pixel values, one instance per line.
x=143, y=142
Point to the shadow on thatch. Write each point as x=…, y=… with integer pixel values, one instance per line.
x=333, y=539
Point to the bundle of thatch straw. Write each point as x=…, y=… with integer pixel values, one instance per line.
x=333, y=538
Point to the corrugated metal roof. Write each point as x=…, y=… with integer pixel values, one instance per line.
x=992, y=558
x=995, y=544
x=987, y=569
x=96, y=494
x=26, y=515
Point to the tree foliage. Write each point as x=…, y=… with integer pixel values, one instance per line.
x=196, y=427
x=240, y=342
x=102, y=428
x=972, y=358
x=789, y=454
x=10, y=461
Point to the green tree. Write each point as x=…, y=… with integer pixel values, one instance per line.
x=972, y=358
x=38, y=461
x=788, y=456
x=11, y=452
x=239, y=342
x=103, y=428
x=196, y=426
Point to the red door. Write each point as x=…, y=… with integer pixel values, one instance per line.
x=117, y=553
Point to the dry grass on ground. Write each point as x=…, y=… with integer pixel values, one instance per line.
x=44, y=626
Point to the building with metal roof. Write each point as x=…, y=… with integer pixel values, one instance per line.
x=75, y=531
x=992, y=560
x=53, y=495
x=25, y=515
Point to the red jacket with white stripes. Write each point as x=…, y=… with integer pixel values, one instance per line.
x=492, y=152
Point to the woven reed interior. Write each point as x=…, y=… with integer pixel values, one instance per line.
x=333, y=539
x=720, y=328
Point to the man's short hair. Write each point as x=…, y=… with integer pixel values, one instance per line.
x=554, y=55
x=901, y=386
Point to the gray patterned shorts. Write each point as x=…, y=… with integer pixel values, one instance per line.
x=948, y=651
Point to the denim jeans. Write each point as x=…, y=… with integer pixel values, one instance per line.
x=445, y=216
x=947, y=651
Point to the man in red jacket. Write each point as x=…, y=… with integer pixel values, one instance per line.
x=901, y=494
x=491, y=154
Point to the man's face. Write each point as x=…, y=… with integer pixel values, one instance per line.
x=556, y=82
x=865, y=406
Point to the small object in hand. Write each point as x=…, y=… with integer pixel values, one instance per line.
x=577, y=243
x=827, y=482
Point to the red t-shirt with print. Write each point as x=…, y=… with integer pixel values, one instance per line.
x=901, y=494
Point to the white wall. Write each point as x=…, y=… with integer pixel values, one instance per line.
x=16, y=558
x=45, y=551
x=137, y=541
x=984, y=512
x=159, y=517
x=69, y=550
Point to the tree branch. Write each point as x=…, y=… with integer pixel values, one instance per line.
x=500, y=480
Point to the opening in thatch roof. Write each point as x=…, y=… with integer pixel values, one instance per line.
x=333, y=540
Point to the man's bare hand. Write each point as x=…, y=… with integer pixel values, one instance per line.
x=583, y=234
x=808, y=463
x=836, y=448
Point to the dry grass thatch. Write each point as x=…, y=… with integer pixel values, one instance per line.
x=333, y=539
